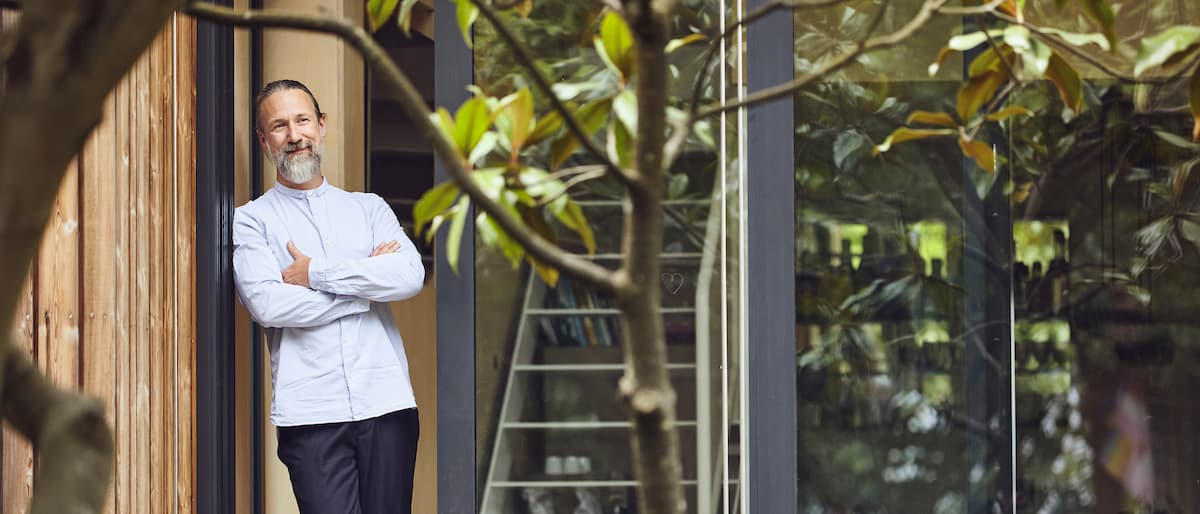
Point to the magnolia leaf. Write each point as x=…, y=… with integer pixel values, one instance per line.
x=977, y=91
x=378, y=12
x=941, y=57
x=1008, y=7
x=1036, y=58
x=519, y=112
x=1009, y=112
x=1175, y=140
x=940, y=119
x=490, y=180
x=849, y=148
x=1101, y=14
x=1157, y=49
x=549, y=275
x=1190, y=230
x=524, y=7
x=677, y=185
x=971, y=40
x=454, y=236
x=1078, y=39
x=988, y=61
x=625, y=107
x=433, y=202
x=592, y=116
x=467, y=13
x=535, y=218
x=620, y=143
x=471, y=121
x=571, y=216
x=1017, y=37
x=1066, y=79
x=676, y=44
x=405, y=17
x=904, y=134
x=1194, y=101
x=545, y=127
x=615, y=44
x=493, y=236
x=445, y=122
x=980, y=151
x=1180, y=177
x=486, y=144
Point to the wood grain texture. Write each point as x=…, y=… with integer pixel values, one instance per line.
x=185, y=269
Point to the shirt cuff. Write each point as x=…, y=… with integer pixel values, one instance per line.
x=318, y=268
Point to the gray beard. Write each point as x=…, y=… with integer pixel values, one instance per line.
x=299, y=169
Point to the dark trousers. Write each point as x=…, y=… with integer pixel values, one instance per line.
x=357, y=467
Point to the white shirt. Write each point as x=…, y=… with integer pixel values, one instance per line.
x=336, y=354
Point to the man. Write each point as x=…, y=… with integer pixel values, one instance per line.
x=317, y=266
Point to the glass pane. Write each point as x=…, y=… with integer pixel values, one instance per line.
x=552, y=435
x=1013, y=340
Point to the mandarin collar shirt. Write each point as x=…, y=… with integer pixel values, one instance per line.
x=336, y=354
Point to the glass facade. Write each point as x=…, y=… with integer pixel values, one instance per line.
x=552, y=436
x=992, y=334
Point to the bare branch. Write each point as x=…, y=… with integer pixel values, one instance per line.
x=414, y=107
x=922, y=17
x=755, y=15
x=525, y=58
x=987, y=8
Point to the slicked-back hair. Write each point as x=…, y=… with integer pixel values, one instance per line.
x=282, y=85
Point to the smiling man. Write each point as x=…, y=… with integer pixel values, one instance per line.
x=317, y=265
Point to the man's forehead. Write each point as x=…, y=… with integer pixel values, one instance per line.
x=286, y=103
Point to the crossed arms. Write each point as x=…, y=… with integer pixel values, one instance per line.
x=316, y=291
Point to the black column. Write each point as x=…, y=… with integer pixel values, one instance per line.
x=457, y=492
x=214, y=269
x=770, y=302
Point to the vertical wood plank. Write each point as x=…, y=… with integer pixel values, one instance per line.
x=98, y=230
x=122, y=491
x=156, y=264
x=17, y=471
x=140, y=302
x=58, y=286
x=185, y=270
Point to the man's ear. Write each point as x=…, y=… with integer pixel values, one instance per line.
x=262, y=139
x=321, y=124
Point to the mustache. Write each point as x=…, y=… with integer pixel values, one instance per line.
x=297, y=146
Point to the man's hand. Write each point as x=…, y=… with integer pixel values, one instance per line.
x=297, y=273
x=388, y=247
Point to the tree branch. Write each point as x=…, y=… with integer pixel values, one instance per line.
x=414, y=107
x=526, y=60
x=987, y=8
x=922, y=17
x=755, y=15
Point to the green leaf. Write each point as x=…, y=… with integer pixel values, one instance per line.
x=971, y=40
x=1101, y=14
x=470, y=122
x=519, y=113
x=625, y=107
x=454, y=236
x=905, y=134
x=677, y=186
x=549, y=275
x=988, y=61
x=493, y=236
x=545, y=127
x=1194, y=102
x=571, y=216
x=1175, y=140
x=467, y=12
x=1190, y=230
x=405, y=17
x=433, y=202
x=941, y=57
x=445, y=122
x=940, y=119
x=592, y=116
x=981, y=152
x=1066, y=79
x=615, y=44
x=676, y=44
x=1078, y=39
x=620, y=144
x=978, y=91
x=378, y=12
x=1009, y=112
x=1157, y=49
x=849, y=149
x=486, y=144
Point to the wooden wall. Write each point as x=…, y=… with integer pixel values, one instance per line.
x=109, y=306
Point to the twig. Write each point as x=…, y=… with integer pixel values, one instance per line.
x=837, y=63
x=526, y=60
x=1009, y=68
x=574, y=181
x=413, y=105
x=967, y=11
x=1059, y=44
